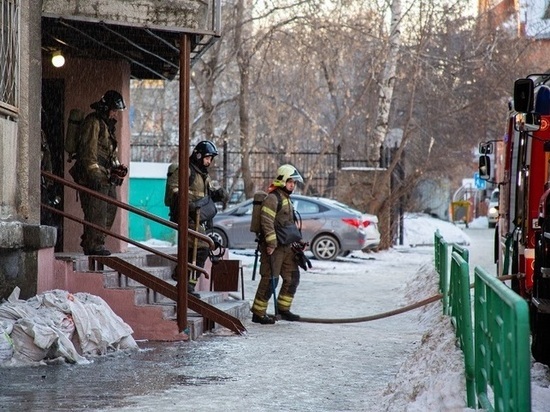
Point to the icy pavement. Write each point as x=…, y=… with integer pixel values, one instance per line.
x=406, y=362
x=287, y=366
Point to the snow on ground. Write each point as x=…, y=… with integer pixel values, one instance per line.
x=432, y=378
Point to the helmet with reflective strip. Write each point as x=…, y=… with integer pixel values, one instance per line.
x=113, y=100
x=286, y=172
x=205, y=148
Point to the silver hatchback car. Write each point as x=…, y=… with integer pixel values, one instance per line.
x=332, y=229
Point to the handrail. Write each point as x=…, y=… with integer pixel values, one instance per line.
x=126, y=206
x=182, y=300
x=121, y=237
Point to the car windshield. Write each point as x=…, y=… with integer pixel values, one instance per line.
x=494, y=197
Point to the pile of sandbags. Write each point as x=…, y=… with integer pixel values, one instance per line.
x=57, y=325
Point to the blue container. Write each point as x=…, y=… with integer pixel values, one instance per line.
x=146, y=192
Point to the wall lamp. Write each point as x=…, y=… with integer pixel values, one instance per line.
x=57, y=59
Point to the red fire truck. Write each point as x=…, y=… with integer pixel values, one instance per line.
x=522, y=173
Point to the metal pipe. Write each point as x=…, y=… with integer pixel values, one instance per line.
x=183, y=178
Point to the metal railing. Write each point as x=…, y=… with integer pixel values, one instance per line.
x=158, y=285
x=460, y=311
x=502, y=356
x=441, y=249
x=496, y=344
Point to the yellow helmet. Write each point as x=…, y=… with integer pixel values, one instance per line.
x=286, y=172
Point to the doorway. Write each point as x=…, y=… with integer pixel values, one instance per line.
x=53, y=109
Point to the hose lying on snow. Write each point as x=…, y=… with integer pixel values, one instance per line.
x=416, y=305
x=375, y=317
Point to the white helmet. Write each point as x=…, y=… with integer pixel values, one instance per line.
x=286, y=172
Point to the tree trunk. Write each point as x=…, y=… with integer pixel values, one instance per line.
x=386, y=87
x=243, y=62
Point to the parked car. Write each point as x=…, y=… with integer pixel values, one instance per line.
x=370, y=223
x=332, y=228
x=492, y=211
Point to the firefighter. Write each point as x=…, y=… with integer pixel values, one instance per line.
x=202, y=196
x=278, y=259
x=97, y=167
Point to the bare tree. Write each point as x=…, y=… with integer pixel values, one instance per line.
x=387, y=83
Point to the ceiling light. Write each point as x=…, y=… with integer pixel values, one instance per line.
x=57, y=59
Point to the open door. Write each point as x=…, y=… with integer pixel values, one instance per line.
x=53, y=92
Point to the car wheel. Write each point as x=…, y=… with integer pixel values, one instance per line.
x=325, y=247
x=219, y=236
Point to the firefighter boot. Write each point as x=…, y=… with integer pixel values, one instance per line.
x=263, y=320
x=288, y=315
x=191, y=290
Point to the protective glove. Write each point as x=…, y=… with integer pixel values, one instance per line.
x=300, y=246
x=302, y=261
x=219, y=195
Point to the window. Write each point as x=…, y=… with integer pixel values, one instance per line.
x=9, y=54
x=305, y=207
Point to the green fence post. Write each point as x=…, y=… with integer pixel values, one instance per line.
x=460, y=311
x=502, y=355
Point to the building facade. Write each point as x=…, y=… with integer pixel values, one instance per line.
x=104, y=44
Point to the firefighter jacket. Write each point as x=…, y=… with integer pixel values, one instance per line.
x=273, y=214
x=97, y=151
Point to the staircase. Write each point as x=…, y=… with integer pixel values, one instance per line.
x=145, y=302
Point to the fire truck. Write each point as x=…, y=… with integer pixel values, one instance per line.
x=522, y=175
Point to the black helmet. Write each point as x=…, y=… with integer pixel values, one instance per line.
x=112, y=100
x=203, y=149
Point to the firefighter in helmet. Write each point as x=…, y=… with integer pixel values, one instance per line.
x=202, y=196
x=98, y=168
x=277, y=256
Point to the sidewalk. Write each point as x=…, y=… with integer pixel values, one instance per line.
x=288, y=366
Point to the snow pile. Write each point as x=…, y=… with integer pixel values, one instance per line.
x=432, y=377
x=58, y=325
x=417, y=225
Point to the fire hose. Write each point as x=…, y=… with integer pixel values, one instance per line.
x=398, y=311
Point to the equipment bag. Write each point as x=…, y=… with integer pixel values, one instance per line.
x=288, y=234
x=206, y=207
x=72, y=137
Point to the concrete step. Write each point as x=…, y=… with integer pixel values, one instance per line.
x=146, y=299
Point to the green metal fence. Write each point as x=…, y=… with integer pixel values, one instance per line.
x=496, y=345
x=460, y=311
x=502, y=357
x=442, y=267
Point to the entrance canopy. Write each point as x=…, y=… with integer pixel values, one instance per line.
x=147, y=35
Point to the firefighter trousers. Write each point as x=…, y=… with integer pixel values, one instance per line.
x=100, y=213
x=280, y=263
